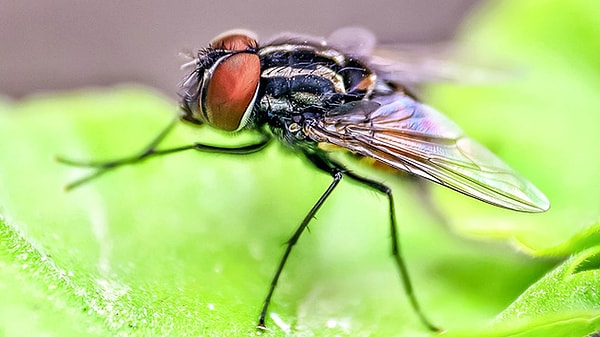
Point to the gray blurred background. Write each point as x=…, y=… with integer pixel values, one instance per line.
x=65, y=44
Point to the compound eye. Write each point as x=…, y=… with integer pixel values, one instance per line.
x=231, y=92
x=235, y=40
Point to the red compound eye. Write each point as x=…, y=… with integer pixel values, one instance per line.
x=231, y=91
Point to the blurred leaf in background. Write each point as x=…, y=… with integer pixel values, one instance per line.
x=545, y=123
x=185, y=245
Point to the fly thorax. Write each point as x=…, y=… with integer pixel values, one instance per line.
x=290, y=130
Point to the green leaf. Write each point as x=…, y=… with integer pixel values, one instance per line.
x=586, y=238
x=188, y=243
x=562, y=303
x=572, y=287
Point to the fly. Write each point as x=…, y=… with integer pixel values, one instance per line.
x=312, y=95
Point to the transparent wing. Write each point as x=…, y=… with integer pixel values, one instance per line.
x=402, y=63
x=407, y=135
x=354, y=41
x=442, y=62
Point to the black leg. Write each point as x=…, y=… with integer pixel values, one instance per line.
x=396, y=253
x=337, y=176
x=151, y=150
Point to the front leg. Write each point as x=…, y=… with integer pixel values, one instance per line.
x=150, y=151
x=336, y=174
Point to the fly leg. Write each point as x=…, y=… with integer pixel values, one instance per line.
x=337, y=174
x=396, y=253
x=102, y=167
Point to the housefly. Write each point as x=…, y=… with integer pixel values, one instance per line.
x=313, y=95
